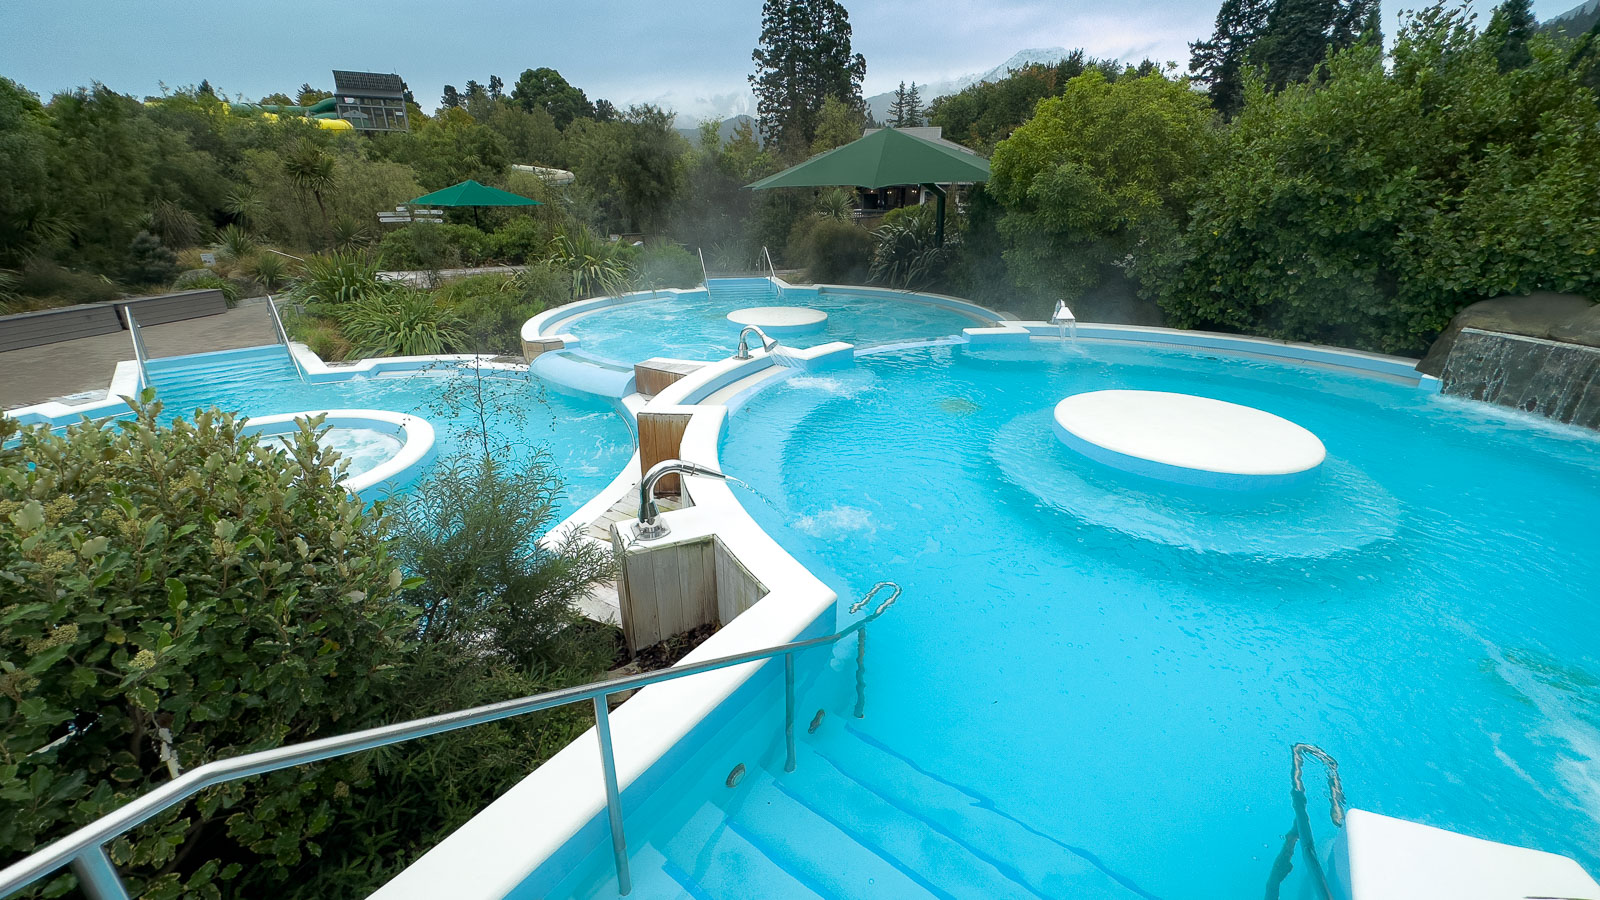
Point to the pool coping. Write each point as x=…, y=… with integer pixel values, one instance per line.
x=415, y=433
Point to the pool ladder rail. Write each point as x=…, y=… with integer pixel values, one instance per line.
x=85, y=851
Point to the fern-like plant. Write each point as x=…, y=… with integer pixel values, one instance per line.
x=401, y=322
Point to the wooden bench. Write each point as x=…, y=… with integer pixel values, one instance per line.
x=165, y=308
x=64, y=323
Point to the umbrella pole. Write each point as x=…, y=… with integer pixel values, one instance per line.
x=938, y=229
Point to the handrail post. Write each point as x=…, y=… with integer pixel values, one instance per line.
x=788, y=709
x=139, y=354
x=861, y=673
x=283, y=336
x=97, y=875
x=608, y=765
x=705, y=276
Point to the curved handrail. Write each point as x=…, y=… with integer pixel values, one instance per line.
x=84, y=849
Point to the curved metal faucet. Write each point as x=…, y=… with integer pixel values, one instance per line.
x=650, y=525
x=744, y=338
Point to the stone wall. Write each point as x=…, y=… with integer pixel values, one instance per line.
x=1557, y=380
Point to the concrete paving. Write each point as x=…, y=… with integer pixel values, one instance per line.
x=71, y=368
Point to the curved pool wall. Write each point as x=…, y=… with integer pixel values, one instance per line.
x=415, y=453
x=591, y=345
x=587, y=437
x=667, y=725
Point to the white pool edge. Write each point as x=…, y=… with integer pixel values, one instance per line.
x=415, y=433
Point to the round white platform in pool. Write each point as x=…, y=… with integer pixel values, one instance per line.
x=1188, y=439
x=780, y=320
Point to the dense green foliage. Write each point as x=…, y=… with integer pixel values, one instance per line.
x=1098, y=180
x=1368, y=209
x=401, y=322
x=161, y=613
x=986, y=113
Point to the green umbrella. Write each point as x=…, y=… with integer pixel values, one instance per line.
x=471, y=193
x=884, y=158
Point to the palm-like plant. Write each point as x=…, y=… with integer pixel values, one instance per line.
x=401, y=322
x=339, y=279
x=348, y=234
x=596, y=266
x=837, y=204
x=176, y=226
x=908, y=254
x=8, y=290
x=310, y=170
x=270, y=270
x=235, y=244
x=244, y=203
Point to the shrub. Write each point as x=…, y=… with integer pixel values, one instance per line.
x=321, y=336
x=667, y=265
x=44, y=279
x=423, y=246
x=401, y=322
x=269, y=270
x=597, y=267
x=543, y=285
x=205, y=279
x=523, y=239
x=149, y=262
x=334, y=280
x=908, y=254
x=234, y=244
x=184, y=592
x=835, y=252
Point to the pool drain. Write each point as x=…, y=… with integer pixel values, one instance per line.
x=736, y=775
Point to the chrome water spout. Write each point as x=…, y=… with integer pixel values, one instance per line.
x=650, y=525
x=744, y=341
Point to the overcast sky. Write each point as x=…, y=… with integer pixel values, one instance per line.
x=691, y=57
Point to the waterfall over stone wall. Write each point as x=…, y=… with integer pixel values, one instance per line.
x=1553, y=379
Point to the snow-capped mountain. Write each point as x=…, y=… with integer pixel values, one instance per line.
x=879, y=103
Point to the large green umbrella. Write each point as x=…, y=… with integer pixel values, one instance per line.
x=884, y=158
x=471, y=193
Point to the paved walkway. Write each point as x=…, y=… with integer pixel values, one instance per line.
x=52, y=371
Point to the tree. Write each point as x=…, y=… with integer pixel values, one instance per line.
x=986, y=113
x=1220, y=63
x=310, y=170
x=451, y=98
x=905, y=111
x=633, y=166
x=496, y=88
x=604, y=111
x=544, y=88
x=1510, y=28
x=839, y=124
x=803, y=58
x=309, y=95
x=26, y=173
x=1300, y=34
x=1368, y=209
x=1099, y=182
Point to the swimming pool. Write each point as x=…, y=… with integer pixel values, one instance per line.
x=694, y=325
x=1091, y=683
x=586, y=438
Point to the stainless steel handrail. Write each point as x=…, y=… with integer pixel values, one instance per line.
x=84, y=850
x=140, y=354
x=283, y=336
x=705, y=276
x=772, y=270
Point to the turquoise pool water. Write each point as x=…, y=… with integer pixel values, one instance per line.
x=696, y=327
x=585, y=437
x=1090, y=686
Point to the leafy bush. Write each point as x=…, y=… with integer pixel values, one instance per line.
x=667, y=265
x=184, y=592
x=44, y=279
x=269, y=270
x=423, y=246
x=491, y=308
x=834, y=252
x=235, y=244
x=469, y=533
x=523, y=239
x=149, y=262
x=401, y=322
x=205, y=280
x=1367, y=210
x=543, y=285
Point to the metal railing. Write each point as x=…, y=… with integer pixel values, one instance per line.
x=705, y=276
x=772, y=270
x=283, y=336
x=140, y=354
x=85, y=849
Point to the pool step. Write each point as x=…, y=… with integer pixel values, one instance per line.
x=1037, y=865
x=717, y=861
x=943, y=864
x=819, y=850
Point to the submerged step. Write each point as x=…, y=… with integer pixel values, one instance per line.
x=1045, y=865
x=722, y=864
x=948, y=866
x=814, y=847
